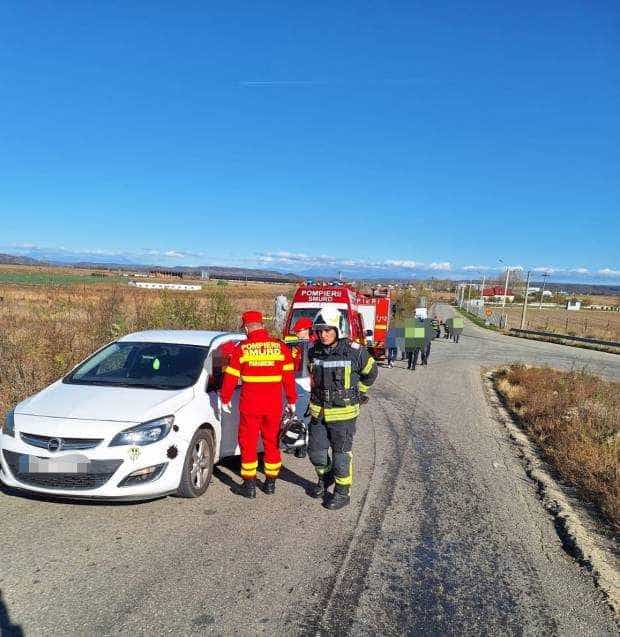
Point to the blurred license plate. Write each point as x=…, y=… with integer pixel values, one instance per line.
x=63, y=464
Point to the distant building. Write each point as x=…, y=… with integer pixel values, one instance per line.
x=496, y=293
x=573, y=305
x=166, y=274
x=166, y=286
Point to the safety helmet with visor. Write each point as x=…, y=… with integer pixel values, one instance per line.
x=330, y=317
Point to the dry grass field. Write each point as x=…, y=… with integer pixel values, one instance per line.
x=46, y=329
x=52, y=318
x=597, y=324
x=574, y=418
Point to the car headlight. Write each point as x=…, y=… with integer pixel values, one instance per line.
x=144, y=434
x=9, y=425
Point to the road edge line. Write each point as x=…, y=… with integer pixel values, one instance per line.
x=590, y=549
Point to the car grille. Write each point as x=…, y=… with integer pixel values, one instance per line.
x=66, y=444
x=99, y=472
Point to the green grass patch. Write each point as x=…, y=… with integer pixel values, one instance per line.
x=476, y=319
x=47, y=278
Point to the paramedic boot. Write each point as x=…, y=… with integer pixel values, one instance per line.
x=340, y=499
x=270, y=486
x=247, y=489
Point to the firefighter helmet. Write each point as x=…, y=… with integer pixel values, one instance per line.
x=293, y=434
x=329, y=317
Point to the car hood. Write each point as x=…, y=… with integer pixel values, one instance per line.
x=95, y=402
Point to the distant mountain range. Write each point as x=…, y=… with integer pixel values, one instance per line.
x=325, y=272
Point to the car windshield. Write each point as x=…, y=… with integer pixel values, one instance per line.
x=311, y=312
x=146, y=365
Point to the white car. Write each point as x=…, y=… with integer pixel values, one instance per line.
x=140, y=418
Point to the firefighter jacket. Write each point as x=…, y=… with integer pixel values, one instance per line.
x=265, y=366
x=339, y=375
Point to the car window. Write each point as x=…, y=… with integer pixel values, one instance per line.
x=220, y=358
x=150, y=365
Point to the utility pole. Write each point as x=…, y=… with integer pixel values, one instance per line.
x=542, y=292
x=527, y=292
x=506, y=286
x=482, y=288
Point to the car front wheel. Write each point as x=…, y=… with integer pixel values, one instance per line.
x=198, y=467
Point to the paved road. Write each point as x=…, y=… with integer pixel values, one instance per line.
x=445, y=534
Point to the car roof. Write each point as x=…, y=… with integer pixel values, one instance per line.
x=203, y=338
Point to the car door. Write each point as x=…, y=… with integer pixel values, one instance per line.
x=217, y=361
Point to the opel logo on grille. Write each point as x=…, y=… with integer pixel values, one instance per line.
x=54, y=444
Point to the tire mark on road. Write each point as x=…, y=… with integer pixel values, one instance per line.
x=443, y=584
x=339, y=603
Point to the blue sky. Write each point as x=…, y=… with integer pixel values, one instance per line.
x=399, y=137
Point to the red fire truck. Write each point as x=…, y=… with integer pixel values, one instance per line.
x=374, y=306
x=367, y=314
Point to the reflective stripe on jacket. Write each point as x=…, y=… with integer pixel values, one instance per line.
x=264, y=365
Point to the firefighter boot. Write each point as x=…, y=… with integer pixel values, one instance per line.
x=301, y=452
x=340, y=499
x=270, y=486
x=320, y=488
x=247, y=489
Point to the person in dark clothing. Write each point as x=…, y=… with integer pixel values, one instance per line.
x=341, y=374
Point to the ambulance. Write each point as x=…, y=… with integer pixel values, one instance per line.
x=366, y=314
x=375, y=308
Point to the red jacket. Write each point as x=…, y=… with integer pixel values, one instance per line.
x=265, y=365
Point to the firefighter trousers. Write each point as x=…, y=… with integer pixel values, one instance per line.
x=268, y=427
x=337, y=436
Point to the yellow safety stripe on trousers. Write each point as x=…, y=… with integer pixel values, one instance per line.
x=321, y=471
x=261, y=379
x=348, y=479
x=272, y=466
x=248, y=469
x=334, y=414
x=363, y=388
x=368, y=366
x=262, y=358
x=232, y=371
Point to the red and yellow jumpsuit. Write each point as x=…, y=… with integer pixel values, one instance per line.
x=264, y=365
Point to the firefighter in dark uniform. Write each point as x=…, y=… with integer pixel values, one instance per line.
x=341, y=373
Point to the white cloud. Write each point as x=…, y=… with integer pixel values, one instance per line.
x=548, y=270
x=410, y=265
x=609, y=272
x=471, y=268
x=443, y=266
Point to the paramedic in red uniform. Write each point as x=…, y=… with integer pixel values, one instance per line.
x=264, y=365
x=301, y=331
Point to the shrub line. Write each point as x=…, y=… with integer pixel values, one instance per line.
x=574, y=524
